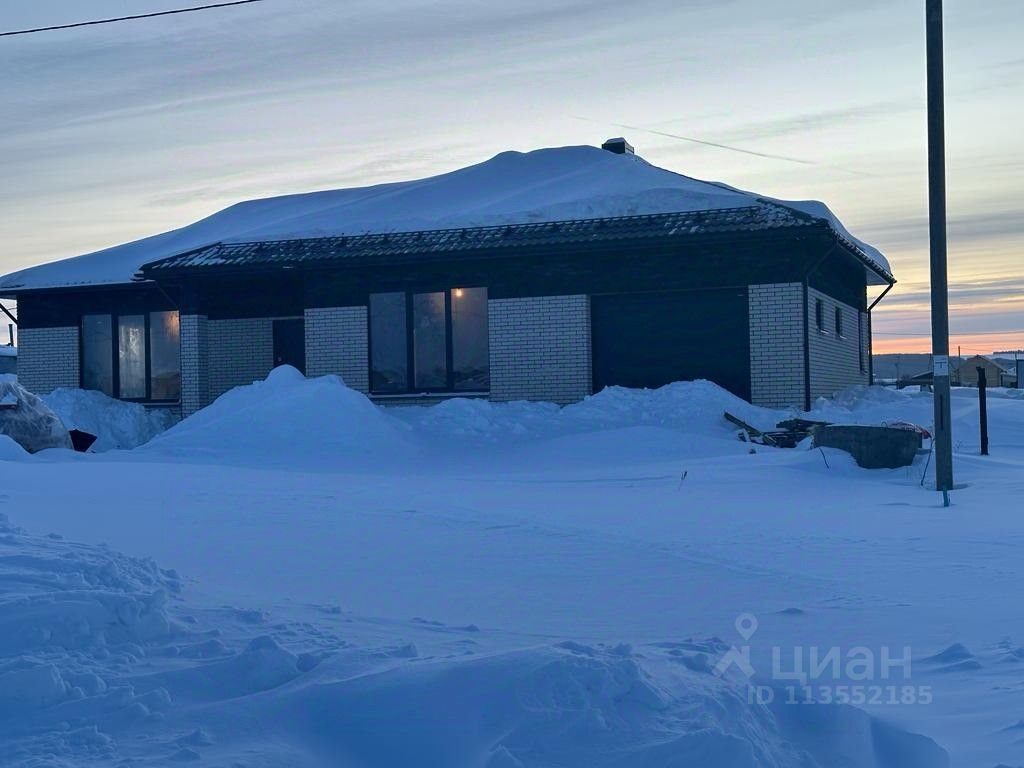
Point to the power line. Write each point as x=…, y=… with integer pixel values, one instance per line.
x=729, y=147
x=128, y=18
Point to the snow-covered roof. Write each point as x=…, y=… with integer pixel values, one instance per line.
x=559, y=184
x=7, y=351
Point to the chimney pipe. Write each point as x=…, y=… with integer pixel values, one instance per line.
x=619, y=146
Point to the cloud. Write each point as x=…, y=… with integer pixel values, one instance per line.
x=962, y=293
x=813, y=122
x=912, y=231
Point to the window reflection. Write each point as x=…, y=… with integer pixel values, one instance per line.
x=97, y=353
x=165, y=356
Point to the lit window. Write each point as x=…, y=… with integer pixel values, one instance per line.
x=132, y=357
x=164, y=356
x=429, y=342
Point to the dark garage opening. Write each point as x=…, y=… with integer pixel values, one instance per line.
x=652, y=339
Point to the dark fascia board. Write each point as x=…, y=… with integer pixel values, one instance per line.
x=858, y=253
x=135, y=285
x=581, y=250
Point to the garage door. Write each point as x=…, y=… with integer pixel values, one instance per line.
x=649, y=340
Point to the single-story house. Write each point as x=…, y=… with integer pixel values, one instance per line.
x=544, y=275
x=996, y=373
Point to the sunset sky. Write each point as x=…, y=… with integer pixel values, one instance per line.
x=115, y=132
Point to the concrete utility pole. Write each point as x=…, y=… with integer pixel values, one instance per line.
x=943, y=440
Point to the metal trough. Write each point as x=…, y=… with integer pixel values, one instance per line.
x=872, y=447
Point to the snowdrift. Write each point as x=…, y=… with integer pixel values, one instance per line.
x=616, y=425
x=103, y=661
x=288, y=419
x=575, y=705
x=116, y=424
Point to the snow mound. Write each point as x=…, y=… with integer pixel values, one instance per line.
x=288, y=419
x=28, y=421
x=10, y=450
x=116, y=424
x=73, y=619
x=511, y=188
x=572, y=705
x=57, y=595
x=692, y=407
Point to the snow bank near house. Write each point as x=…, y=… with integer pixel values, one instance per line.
x=116, y=424
x=694, y=407
x=513, y=187
x=289, y=419
x=614, y=425
x=27, y=420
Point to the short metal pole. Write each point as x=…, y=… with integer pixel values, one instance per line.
x=983, y=409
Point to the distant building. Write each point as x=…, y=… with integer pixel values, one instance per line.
x=539, y=276
x=996, y=374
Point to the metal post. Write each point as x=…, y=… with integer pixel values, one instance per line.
x=943, y=440
x=983, y=410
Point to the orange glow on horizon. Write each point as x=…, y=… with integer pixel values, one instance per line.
x=970, y=344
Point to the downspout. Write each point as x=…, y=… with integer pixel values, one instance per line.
x=871, y=337
x=881, y=296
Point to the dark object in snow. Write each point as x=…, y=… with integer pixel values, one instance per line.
x=81, y=441
x=29, y=421
x=787, y=434
x=749, y=434
x=871, y=447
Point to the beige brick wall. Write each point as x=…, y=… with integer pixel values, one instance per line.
x=776, y=345
x=195, y=364
x=837, y=361
x=337, y=342
x=540, y=348
x=48, y=358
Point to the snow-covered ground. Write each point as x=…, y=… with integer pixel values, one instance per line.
x=511, y=585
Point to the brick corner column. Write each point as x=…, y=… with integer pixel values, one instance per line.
x=195, y=364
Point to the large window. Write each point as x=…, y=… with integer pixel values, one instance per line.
x=132, y=356
x=429, y=342
x=389, y=359
x=164, y=356
x=97, y=353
